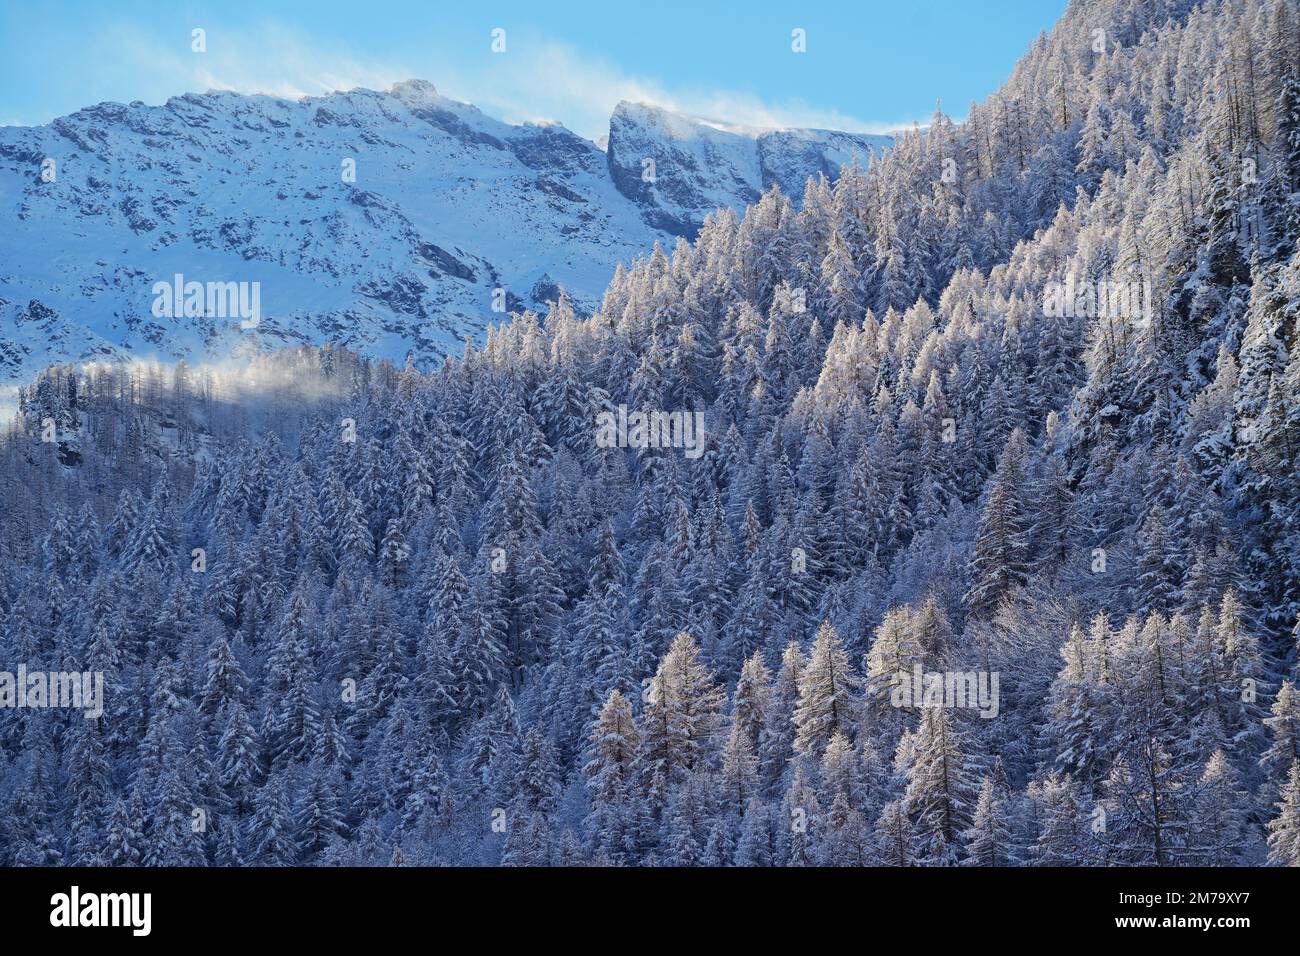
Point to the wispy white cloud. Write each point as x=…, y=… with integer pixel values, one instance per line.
x=551, y=80
x=536, y=79
x=272, y=59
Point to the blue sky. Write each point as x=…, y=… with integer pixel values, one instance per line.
x=870, y=65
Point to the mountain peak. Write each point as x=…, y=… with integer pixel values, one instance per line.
x=679, y=167
x=414, y=91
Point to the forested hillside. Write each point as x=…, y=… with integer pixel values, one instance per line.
x=357, y=614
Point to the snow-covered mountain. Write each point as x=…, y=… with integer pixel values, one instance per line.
x=700, y=166
x=384, y=221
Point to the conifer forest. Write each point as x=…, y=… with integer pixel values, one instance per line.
x=943, y=511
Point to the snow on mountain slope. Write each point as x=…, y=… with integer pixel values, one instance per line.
x=447, y=205
x=698, y=166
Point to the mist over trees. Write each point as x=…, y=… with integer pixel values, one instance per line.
x=357, y=614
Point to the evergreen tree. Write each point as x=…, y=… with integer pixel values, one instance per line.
x=1001, y=558
x=827, y=686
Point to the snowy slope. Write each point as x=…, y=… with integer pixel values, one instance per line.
x=448, y=205
x=699, y=166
